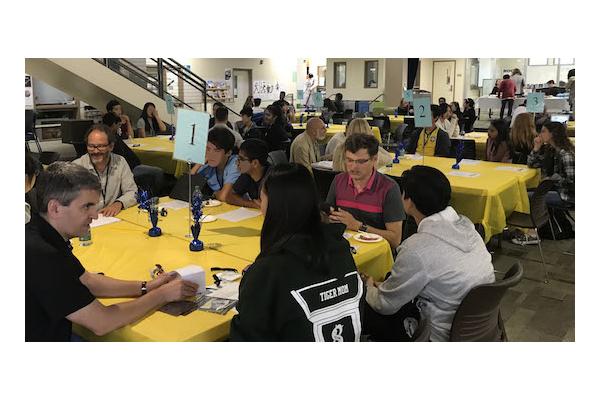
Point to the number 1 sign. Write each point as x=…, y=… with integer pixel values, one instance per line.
x=192, y=134
x=422, y=107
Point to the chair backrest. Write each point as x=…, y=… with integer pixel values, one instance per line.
x=386, y=122
x=468, y=148
x=537, y=204
x=323, y=179
x=181, y=189
x=376, y=122
x=277, y=157
x=476, y=319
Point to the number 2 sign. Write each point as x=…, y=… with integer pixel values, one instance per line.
x=422, y=107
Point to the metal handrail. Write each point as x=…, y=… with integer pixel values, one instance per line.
x=375, y=99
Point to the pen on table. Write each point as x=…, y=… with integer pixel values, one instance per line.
x=223, y=269
x=217, y=280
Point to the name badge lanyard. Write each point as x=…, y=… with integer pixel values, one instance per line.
x=106, y=183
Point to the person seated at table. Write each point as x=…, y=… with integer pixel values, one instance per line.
x=275, y=135
x=403, y=108
x=339, y=103
x=285, y=113
x=448, y=121
x=520, y=109
x=456, y=111
x=149, y=123
x=211, y=122
x=305, y=147
x=434, y=269
x=497, y=147
x=468, y=115
x=364, y=199
x=256, y=109
x=328, y=110
x=220, y=169
x=58, y=290
x=304, y=271
x=246, y=123
x=442, y=100
x=32, y=169
x=125, y=130
x=357, y=125
x=521, y=138
x=431, y=141
x=552, y=90
x=146, y=176
x=116, y=178
x=222, y=121
x=253, y=166
x=249, y=102
x=554, y=134
x=496, y=87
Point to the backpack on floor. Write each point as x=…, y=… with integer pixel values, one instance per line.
x=560, y=224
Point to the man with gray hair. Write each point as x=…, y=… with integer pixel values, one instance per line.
x=116, y=179
x=305, y=148
x=58, y=290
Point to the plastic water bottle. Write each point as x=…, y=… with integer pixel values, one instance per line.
x=400, y=150
x=86, y=239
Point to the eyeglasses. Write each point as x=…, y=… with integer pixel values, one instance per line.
x=97, y=146
x=360, y=161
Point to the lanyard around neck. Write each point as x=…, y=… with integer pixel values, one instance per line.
x=100, y=179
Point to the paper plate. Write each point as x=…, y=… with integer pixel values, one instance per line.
x=208, y=218
x=367, y=237
x=212, y=203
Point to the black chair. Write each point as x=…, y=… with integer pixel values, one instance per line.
x=181, y=190
x=277, y=157
x=387, y=125
x=537, y=217
x=323, y=179
x=478, y=318
x=468, y=148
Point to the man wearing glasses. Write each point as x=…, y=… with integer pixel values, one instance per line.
x=112, y=170
x=364, y=199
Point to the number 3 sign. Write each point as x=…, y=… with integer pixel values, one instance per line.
x=535, y=102
x=422, y=107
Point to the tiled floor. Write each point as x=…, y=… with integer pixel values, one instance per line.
x=533, y=310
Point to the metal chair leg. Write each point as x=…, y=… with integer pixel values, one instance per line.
x=551, y=228
x=546, y=279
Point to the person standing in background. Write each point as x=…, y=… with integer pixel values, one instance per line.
x=309, y=91
x=571, y=88
x=506, y=92
x=519, y=81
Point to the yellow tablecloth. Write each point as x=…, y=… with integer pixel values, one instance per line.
x=488, y=198
x=124, y=250
x=571, y=128
x=158, y=151
x=337, y=128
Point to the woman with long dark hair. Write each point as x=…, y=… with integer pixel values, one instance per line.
x=554, y=135
x=303, y=286
x=468, y=115
x=275, y=135
x=149, y=123
x=497, y=148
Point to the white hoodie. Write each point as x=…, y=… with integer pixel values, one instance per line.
x=438, y=265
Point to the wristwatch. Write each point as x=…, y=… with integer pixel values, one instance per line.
x=144, y=287
x=363, y=227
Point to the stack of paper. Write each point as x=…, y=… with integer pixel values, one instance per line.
x=238, y=215
x=464, y=174
x=512, y=169
x=327, y=165
x=102, y=220
x=175, y=204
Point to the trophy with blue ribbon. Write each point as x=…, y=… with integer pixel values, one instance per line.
x=459, y=154
x=196, y=207
x=399, y=153
x=150, y=204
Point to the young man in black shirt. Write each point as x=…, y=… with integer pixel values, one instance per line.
x=253, y=165
x=58, y=290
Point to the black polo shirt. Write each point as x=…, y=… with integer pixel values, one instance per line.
x=52, y=286
x=245, y=185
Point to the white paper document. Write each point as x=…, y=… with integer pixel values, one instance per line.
x=513, y=169
x=175, y=204
x=464, y=174
x=328, y=165
x=228, y=291
x=238, y=215
x=102, y=220
x=413, y=156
